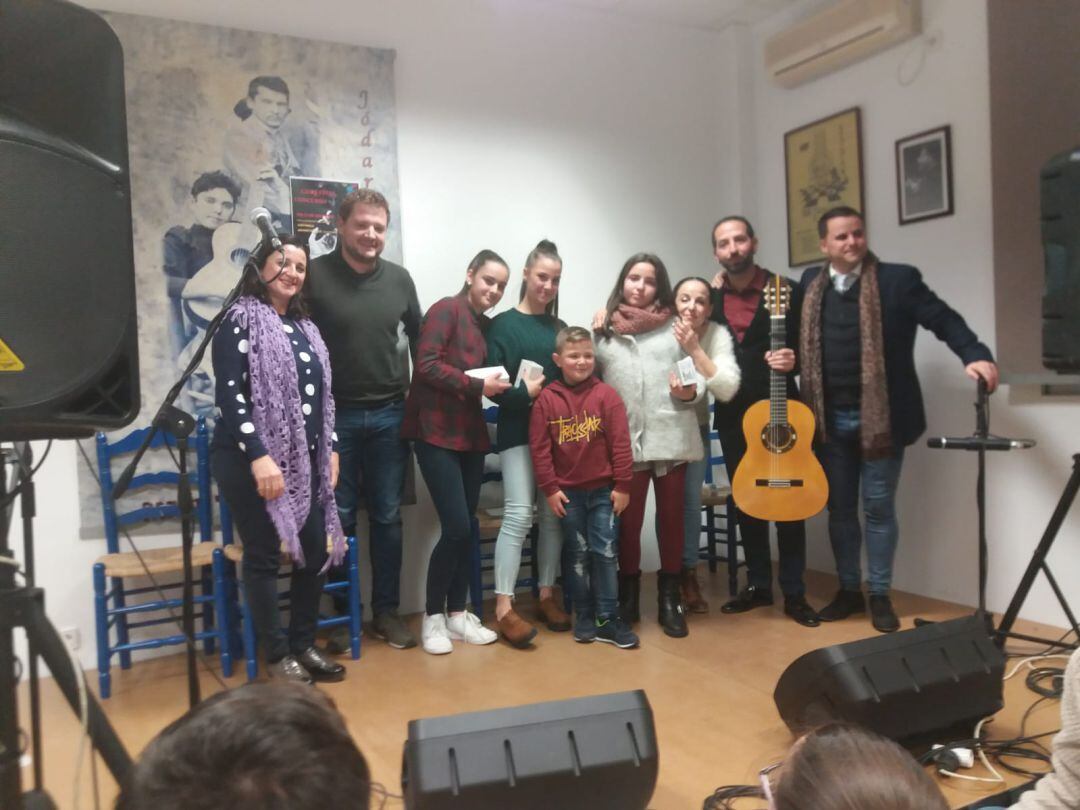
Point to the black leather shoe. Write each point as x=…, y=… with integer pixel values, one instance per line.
x=843, y=605
x=320, y=667
x=799, y=609
x=749, y=598
x=289, y=669
x=882, y=615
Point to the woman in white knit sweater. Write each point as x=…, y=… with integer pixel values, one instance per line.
x=636, y=353
x=712, y=349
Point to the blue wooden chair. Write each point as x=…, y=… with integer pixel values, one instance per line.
x=718, y=515
x=485, y=526
x=350, y=588
x=120, y=609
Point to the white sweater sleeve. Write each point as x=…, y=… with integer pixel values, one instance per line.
x=1060, y=789
x=724, y=384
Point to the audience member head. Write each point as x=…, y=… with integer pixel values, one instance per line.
x=846, y=767
x=543, y=270
x=264, y=746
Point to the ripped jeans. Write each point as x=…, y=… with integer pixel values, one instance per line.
x=590, y=553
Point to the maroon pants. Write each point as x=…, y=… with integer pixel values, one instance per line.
x=670, y=492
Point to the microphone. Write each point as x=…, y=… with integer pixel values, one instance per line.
x=261, y=218
x=976, y=443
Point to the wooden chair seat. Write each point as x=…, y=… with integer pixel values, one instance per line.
x=715, y=494
x=127, y=564
x=488, y=523
x=234, y=552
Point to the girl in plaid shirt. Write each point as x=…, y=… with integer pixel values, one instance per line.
x=443, y=416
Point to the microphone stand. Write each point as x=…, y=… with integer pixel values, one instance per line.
x=24, y=607
x=179, y=424
x=981, y=440
x=1038, y=562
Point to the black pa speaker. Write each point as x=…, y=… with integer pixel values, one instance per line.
x=901, y=685
x=68, y=342
x=1060, y=217
x=575, y=754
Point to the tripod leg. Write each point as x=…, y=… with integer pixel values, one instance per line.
x=1038, y=559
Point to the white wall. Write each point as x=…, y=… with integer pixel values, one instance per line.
x=515, y=122
x=937, y=552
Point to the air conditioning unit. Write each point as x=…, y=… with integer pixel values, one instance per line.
x=837, y=36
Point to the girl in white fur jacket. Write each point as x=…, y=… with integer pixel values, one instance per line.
x=636, y=353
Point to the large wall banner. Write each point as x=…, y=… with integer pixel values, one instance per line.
x=219, y=122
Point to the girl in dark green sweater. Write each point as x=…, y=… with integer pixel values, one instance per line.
x=526, y=332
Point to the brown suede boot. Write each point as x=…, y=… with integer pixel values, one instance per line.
x=551, y=613
x=516, y=630
x=691, y=592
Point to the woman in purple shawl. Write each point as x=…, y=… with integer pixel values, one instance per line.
x=275, y=457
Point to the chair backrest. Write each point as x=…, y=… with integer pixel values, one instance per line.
x=714, y=459
x=200, y=475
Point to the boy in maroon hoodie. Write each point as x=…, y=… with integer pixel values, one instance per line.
x=580, y=444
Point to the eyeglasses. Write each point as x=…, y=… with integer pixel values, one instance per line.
x=766, y=785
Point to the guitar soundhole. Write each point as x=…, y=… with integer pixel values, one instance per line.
x=778, y=438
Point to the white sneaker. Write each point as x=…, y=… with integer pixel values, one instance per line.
x=434, y=636
x=466, y=627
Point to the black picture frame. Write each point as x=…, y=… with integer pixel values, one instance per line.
x=924, y=177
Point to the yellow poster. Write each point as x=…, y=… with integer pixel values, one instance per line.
x=823, y=169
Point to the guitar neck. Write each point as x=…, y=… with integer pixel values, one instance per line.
x=778, y=411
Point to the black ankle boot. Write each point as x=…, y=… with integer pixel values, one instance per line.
x=672, y=618
x=630, y=597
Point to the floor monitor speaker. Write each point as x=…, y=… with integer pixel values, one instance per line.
x=901, y=684
x=578, y=754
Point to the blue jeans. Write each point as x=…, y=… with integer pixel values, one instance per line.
x=590, y=553
x=695, y=479
x=453, y=478
x=519, y=492
x=373, y=455
x=845, y=468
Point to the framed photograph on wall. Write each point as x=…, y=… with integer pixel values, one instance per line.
x=924, y=188
x=822, y=169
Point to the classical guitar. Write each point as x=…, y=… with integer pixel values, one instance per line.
x=779, y=478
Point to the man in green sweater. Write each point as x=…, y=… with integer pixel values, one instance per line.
x=362, y=304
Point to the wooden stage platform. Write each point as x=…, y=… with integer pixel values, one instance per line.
x=711, y=694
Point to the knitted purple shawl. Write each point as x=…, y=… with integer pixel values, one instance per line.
x=279, y=423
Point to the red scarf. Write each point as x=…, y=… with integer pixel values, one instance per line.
x=628, y=320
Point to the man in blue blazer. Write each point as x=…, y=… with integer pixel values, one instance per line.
x=857, y=356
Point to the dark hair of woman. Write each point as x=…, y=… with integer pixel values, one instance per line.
x=664, y=295
x=545, y=249
x=478, y=261
x=845, y=767
x=254, y=286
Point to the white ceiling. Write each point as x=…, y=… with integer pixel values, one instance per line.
x=708, y=14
